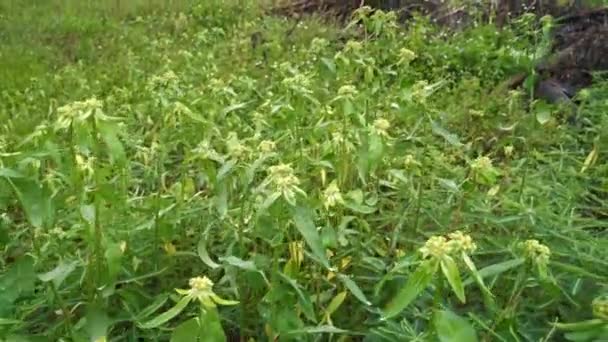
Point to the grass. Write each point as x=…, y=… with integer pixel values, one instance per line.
x=300, y=167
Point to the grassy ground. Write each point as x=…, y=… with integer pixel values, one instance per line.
x=312, y=173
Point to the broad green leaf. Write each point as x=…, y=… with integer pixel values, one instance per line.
x=202, y=253
x=35, y=200
x=188, y=331
x=305, y=224
x=10, y=173
x=543, y=116
x=109, y=135
x=354, y=289
x=451, y=273
x=88, y=213
x=585, y=336
x=418, y=281
x=59, y=273
x=167, y=315
x=453, y=328
x=19, y=279
x=211, y=327
x=97, y=323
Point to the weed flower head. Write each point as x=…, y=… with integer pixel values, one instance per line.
x=235, y=148
x=165, y=80
x=482, y=163
x=204, y=151
x=332, y=195
x=318, y=44
x=353, y=46
x=600, y=307
x=436, y=247
x=410, y=162
x=284, y=181
x=77, y=111
x=381, y=126
x=406, y=56
x=460, y=242
x=347, y=91
x=508, y=150
x=537, y=252
x=201, y=288
x=267, y=146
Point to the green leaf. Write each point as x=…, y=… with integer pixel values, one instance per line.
x=354, y=289
x=157, y=304
x=579, y=326
x=211, y=327
x=87, y=212
x=10, y=173
x=359, y=208
x=109, y=135
x=418, y=281
x=335, y=303
x=18, y=280
x=221, y=199
x=113, y=257
x=500, y=267
x=59, y=273
x=543, y=116
x=97, y=323
x=303, y=299
x=453, y=328
x=9, y=321
x=322, y=329
x=167, y=315
x=188, y=331
x=451, y=138
x=304, y=223
x=450, y=270
x=202, y=253
x=35, y=200
x=246, y=265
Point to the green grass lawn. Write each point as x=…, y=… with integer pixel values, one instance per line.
x=201, y=171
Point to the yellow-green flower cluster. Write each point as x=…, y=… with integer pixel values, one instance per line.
x=332, y=195
x=283, y=179
x=440, y=246
x=406, y=56
x=201, y=288
x=381, y=126
x=537, y=252
x=77, y=111
x=267, y=146
x=600, y=307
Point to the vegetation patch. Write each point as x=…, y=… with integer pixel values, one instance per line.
x=206, y=171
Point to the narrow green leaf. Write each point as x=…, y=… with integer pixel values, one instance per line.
x=150, y=309
x=418, y=281
x=303, y=299
x=109, y=135
x=335, y=303
x=451, y=273
x=305, y=225
x=113, y=257
x=452, y=328
x=451, y=138
x=578, y=326
x=167, y=315
x=202, y=253
x=9, y=321
x=359, y=208
x=354, y=289
x=500, y=267
x=59, y=273
x=246, y=265
x=322, y=329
